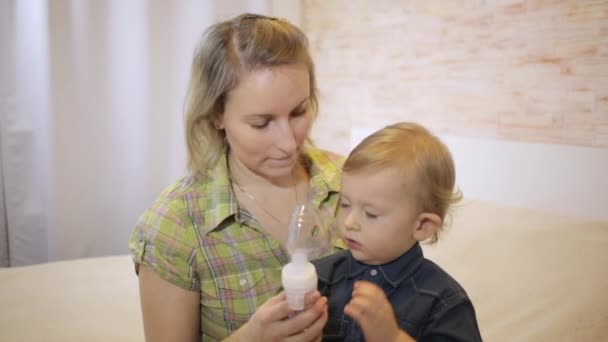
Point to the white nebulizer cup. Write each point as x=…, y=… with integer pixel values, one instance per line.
x=310, y=236
x=299, y=277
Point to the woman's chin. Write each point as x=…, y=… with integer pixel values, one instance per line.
x=279, y=169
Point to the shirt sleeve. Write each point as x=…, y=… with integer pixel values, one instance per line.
x=164, y=240
x=457, y=323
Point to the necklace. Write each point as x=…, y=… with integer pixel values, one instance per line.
x=255, y=201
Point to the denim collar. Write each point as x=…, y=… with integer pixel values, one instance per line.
x=394, y=272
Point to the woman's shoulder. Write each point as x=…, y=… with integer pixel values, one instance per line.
x=324, y=165
x=165, y=235
x=323, y=157
x=175, y=201
x=182, y=187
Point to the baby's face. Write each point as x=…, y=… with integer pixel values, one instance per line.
x=377, y=215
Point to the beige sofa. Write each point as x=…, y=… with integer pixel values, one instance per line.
x=532, y=276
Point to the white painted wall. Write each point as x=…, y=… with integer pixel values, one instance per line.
x=568, y=180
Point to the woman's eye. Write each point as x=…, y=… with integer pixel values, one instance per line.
x=298, y=113
x=344, y=205
x=260, y=125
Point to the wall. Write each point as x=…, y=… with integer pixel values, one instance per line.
x=527, y=78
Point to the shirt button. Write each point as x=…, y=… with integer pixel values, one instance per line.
x=243, y=282
x=373, y=273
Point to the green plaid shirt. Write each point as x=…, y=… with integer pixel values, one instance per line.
x=196, y=237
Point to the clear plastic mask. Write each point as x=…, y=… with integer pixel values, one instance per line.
x=312, y=231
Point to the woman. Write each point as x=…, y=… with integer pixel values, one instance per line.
x=209, y=251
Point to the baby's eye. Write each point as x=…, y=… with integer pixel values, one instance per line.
x=370, y=215
x=344, y=205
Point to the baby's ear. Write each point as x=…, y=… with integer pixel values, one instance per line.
x=427, y=224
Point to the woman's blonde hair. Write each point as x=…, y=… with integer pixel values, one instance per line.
x=424, y=161
x=226, y=51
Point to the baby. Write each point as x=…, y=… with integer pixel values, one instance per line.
x=397, y=186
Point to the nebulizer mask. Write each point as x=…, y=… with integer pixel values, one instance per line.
x=310, y=236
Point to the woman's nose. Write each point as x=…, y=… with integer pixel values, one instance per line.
x=286, y=139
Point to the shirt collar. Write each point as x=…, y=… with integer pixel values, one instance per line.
x=325, y=169
x=218, y=202
x=394, y=272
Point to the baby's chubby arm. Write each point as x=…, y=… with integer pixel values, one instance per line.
x=370, y=308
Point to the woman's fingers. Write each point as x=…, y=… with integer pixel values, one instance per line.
x=275, y=309
x=277, y=298
x=311, y=298
x=313, y=329
x=280, y=310
x=275, y=320
x=305, y=319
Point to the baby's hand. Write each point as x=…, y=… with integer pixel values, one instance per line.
x=370, y=308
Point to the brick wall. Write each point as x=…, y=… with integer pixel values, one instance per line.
x=534, y=71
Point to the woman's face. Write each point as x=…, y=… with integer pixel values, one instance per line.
x=267, y=118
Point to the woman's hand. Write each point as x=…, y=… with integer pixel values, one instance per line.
x=370, y=308
x=275, y=321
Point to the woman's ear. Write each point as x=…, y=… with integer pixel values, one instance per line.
x=427, y=224
x=218, y=123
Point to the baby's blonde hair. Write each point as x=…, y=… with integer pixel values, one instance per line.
x=424, y=161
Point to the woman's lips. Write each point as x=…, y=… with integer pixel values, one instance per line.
x=282, y=161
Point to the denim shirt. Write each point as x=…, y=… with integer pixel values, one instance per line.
x=428, y=303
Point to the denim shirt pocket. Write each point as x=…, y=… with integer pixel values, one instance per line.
x=414, y=314
x=336, y=326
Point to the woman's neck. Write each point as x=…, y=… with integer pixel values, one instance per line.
x=270, y=201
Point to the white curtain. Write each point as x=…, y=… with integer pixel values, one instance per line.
x=91, y=97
